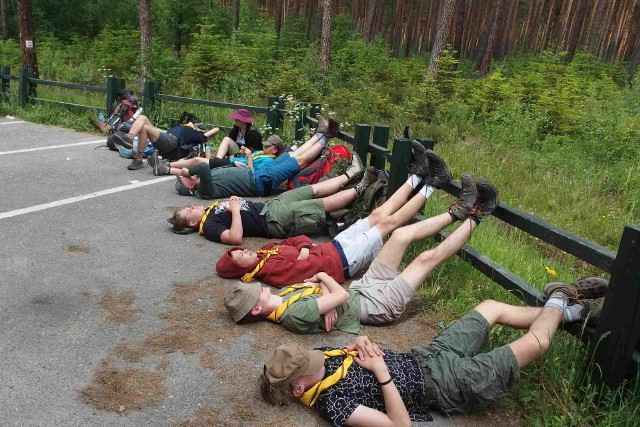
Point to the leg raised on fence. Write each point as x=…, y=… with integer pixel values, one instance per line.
x=619, y=325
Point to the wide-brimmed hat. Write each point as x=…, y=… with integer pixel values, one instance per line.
x=292, y=361
x=272, y=140
x=242, y=115
x=241, y=298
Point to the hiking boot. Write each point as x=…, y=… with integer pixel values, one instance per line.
x=323, y=124
x=124, y=140
x=587, y=288
x=439, y=173
x=486, y=201
x=370, y=176
x=419, y=161
x=153, y=159
x=161, y=167
x=591, y=309
x=461, y=208
x=135, y=164
x=329, y=128
x=356, y=166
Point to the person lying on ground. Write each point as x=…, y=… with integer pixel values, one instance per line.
x=382, y=294
x=295, y=259
x=273, y=147
x=362, y=385
x=205, y=183
x=172, y=144
x=241, y=135
x=293, y=213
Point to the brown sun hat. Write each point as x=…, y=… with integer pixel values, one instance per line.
x=241, y=298
x=292, y=361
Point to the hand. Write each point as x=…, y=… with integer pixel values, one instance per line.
x=234, y=205
x=244, y=150
x=313, y=279
x=185, y=172
x=240, y=164
x=304, y=254
x=371, y=358
x=364, y=345
x=330, y=318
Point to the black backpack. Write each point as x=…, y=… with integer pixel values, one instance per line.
x=374, y=196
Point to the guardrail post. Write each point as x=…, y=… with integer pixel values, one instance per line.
x=315, y=109
x=427, y=142
x=6, y=81
x=361, y=141
x=618, y=328
x=400, y=159
x=274, y=118
x=150, y=95
x=381, y=138
x=113, y=85
x=23, y=86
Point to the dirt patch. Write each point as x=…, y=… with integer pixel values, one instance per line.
x=119, y=307
x=123, y=389
x=206, y=416
x=78, y=249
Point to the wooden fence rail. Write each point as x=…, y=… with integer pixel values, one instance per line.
x=615, y=342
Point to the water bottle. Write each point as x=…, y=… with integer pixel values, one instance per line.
x=101, y=117
x=135, y=115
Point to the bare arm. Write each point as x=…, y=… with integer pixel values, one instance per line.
x=208, y=134
x=334, y=296
x=247, y=152
x=233, y=236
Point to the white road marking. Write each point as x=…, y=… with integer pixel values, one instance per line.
x=51, y=147
x=12, y=123
x=70, y=200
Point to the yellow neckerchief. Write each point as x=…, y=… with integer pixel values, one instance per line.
x=276, y=314
x=249, y=276
x=262, y=155
x=310, y=396
x=206, y=214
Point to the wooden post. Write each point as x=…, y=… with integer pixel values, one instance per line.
x=23, y=86
x=315, y=109
x=618, y=328
x=381, y=138
x=361, y=141
x=427, y=142
x=400, y=159
x=151, y=91
x=6, y=81
x=113, y=85
x=274, y=118
x=299, y=131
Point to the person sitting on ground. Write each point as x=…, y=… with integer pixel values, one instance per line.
x=172, y=144
x=292, y=213
x=382, y=294
x=273, y=147
x=449, y=374
x=205, y=183
x=293, y=260
x=241, y=135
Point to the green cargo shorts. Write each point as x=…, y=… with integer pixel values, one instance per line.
x=464, y=380
x=295, y=212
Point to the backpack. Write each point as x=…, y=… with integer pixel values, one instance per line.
x=317, y=169
x=374, y=196
x=123, y=111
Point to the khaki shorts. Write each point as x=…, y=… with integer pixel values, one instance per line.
x=383, y=294
x=360, y=244
x=294, y=213
x=466, y=381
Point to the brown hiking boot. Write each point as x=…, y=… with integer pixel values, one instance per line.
x=486, y=201
x=461, y=208
x=329, y=128
x=588, y=288
x=591, y=309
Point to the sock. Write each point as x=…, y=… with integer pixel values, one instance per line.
x=134, y=154
x=323, y=141
x=414, y=180
x=570, y=313
x=427, y=191
x=318, y=135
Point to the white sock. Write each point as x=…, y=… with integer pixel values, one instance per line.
x=559, y=301
x=427, y=191
x=318, y=135
x=413, y=181
x=323, y=141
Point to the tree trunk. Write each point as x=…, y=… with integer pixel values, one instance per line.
x=5, y=21
x=444, y=25
x=278, y=16
x=369, y=21
x=145, y=38
x=27, y=36
x=326, y=41
x=574, y=36
x=236, y=14
x=397, y=32
x=485, y=60
x=457, y=38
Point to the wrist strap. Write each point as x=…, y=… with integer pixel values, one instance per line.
x=386, y=382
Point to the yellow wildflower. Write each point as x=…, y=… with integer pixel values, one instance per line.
x=551, y=271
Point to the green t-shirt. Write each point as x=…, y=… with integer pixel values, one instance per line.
x=303, y=316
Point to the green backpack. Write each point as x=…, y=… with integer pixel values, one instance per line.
x=374, y=196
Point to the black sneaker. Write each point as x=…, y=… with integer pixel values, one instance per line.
x=439, y=173
x=161, y=167
x=135, y=164
x=370, y=176
x=124, y=140
x=486, y=201
x=153, y=159
x=461, y=208
x=419, y=161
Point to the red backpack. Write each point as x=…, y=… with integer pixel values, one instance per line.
x=319, y=168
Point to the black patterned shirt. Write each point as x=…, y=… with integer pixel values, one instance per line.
x=360, y=387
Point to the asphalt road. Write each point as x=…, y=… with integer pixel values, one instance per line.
x=77, y=226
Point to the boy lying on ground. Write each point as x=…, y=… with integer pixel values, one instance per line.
x=205, y=183
x=296, y=259
x=383, y=388
x=381, y=295
x=292, y=213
